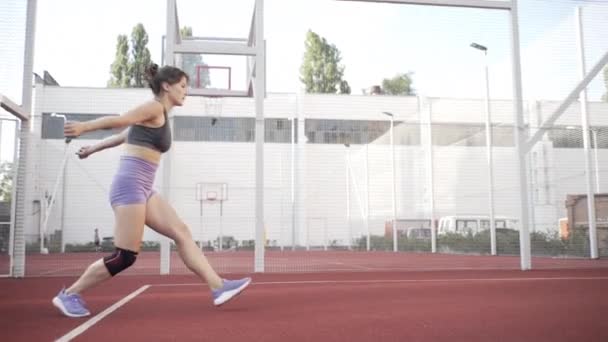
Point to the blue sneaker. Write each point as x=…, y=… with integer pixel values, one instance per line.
x=71, y=305
x=230, y=290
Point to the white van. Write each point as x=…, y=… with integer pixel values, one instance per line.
x=473, y=224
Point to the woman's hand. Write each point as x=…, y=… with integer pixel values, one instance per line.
x=73, y=129
x=85, y=151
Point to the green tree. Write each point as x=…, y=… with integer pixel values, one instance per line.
x=141, y=56
x=321, y=71
x=190, y=62
x=605, y=96
x=401, y=84
x=120, y=68
x=6, y=181
x=130, y=63
x=344, y=87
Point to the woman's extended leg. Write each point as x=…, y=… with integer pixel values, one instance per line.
x=128, y=231
x=162, y=218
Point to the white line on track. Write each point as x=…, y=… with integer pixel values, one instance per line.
x=390, y=281
x=86, y=325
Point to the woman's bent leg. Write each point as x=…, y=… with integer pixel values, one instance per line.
x=128, y=232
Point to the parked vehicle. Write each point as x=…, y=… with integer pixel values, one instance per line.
x=473, y=224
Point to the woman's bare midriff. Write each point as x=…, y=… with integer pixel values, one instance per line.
x=142, y=152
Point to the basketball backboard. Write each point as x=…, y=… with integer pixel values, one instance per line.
x=211, y=192
x=225, y=66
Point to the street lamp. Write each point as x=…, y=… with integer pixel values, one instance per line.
x=489, y=147
x=479, y=47
x=392, y=135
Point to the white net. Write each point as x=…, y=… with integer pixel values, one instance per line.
x=339, y=193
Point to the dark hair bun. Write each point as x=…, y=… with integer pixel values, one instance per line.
x=151, y=71
x=157, y=76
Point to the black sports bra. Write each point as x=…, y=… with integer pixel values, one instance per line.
x=156, y=138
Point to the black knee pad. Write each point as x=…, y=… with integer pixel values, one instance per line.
x=119, y=261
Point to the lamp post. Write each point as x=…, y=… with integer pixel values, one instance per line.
x=293, y=184
x=489, y=146
x=591, y=212
x=392, y=137
x=348, y=216
x=368, y=239
x=595, y=160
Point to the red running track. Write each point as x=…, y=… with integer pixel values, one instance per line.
x=464, y=305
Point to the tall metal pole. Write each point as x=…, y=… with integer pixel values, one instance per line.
x=489, y=143
x=520, y=139
x=596, y=161
x=585, y=123
x=489, y=148
x=348, y=218
x=282, y=201
x=28, y=58
x=168, y=59
x=201, y=222
x=394, y=186
x=260, y=95
x=293, y=183
x=431, y=172
x=368, y=238
x=395, y=246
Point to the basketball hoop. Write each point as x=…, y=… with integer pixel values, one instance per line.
x=211, y=196
x=211, y=192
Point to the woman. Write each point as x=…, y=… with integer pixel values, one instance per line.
x=133, y=200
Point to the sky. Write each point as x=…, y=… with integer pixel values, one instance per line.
x=76, y=40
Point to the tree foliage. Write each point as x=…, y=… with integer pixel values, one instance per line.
x=321, y=71
x=400, y=84
x=6, y=181
x=130, y=61
x=140, y=56
x=120, y=68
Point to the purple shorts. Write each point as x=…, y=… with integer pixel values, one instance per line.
x=133, y=182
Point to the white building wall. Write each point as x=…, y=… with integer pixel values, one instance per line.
x=472, y=111
x=460, y=171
